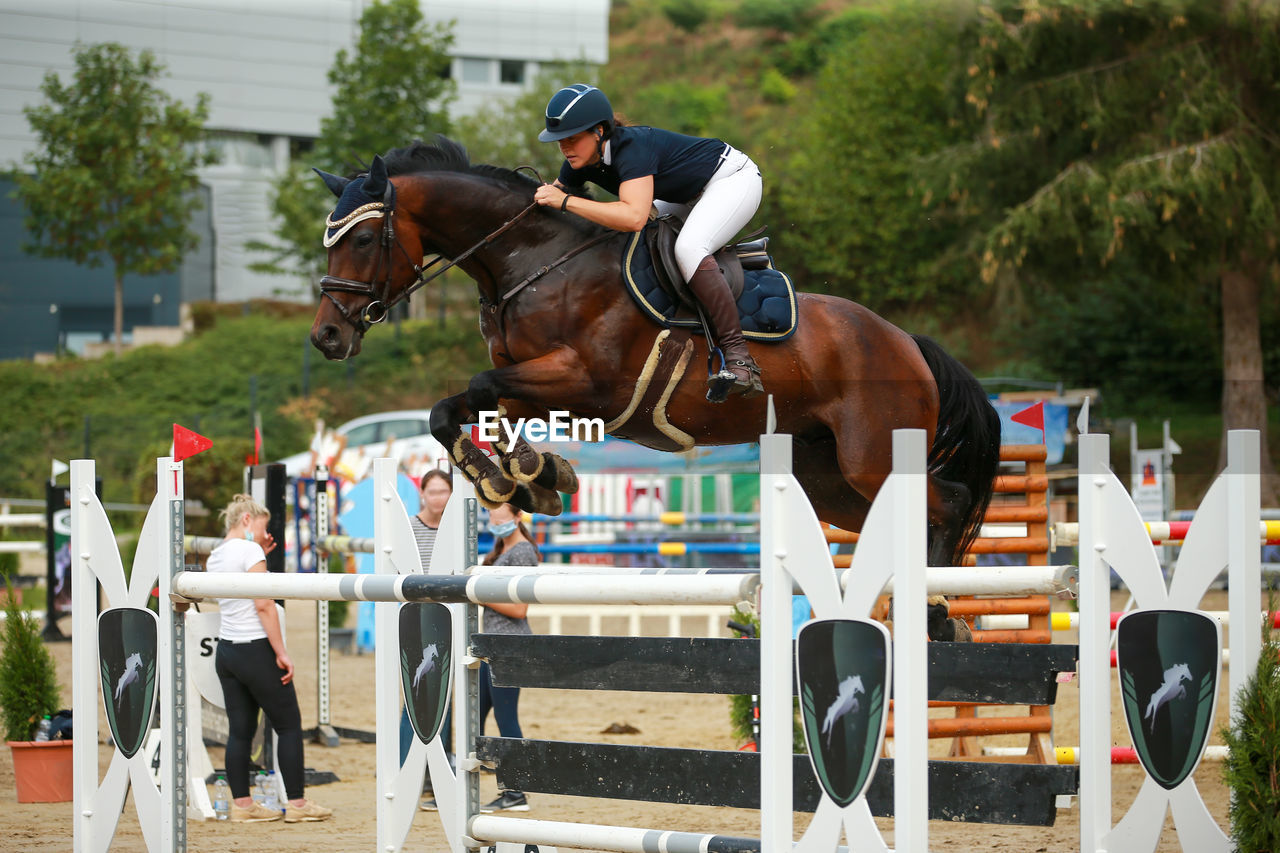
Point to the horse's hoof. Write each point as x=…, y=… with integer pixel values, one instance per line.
x=948, y=630
x=566, y=477
x=530, y=497
x=525, y=464
x=544, y=501
x=937, y=619
x=494, y=490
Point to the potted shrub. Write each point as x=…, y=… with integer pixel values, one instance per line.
x=28, y=691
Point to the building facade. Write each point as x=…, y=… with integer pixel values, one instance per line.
x=264, y=65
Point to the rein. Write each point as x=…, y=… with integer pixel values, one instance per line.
x=377, y=309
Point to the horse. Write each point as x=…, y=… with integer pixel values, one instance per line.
x=563, y=335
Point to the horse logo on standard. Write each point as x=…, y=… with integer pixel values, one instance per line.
x=426, y=644
x=127, y=661
x=1169, y=662
x=842, y=667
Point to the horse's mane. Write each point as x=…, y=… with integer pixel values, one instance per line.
x=446, y=155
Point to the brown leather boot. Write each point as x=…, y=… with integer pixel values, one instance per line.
x=740, y=374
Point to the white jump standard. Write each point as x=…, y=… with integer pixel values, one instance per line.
x=793, y=553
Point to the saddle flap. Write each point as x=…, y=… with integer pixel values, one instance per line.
x=661, y=238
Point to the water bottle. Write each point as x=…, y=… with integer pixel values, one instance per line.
x=221, y=799
x=271, y=801
x=260, y=788
x=43, y=728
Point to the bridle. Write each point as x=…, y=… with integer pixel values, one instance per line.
x=376, y=289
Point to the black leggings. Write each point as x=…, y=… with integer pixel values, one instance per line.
x=251, y=681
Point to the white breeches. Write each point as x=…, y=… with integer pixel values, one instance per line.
x=725, y=206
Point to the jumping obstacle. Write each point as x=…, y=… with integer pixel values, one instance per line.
x=1067, y=533
x=1022, y=502
x=791, y=544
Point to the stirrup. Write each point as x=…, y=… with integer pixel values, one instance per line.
x=723, y=382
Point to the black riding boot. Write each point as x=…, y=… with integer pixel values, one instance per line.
x=712, y=292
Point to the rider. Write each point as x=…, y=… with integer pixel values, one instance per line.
x=712, y=186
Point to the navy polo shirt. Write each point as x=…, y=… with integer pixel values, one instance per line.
x=681, y=165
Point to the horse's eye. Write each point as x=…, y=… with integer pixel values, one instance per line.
x=363, y=241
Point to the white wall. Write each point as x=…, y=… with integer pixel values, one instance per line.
x=263, y=62
x=264, y=65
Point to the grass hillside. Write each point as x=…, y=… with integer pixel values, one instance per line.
x=121, y=410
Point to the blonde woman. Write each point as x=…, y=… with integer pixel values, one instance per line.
x=256, y=672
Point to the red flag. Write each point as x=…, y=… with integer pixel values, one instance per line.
x=256, y=456
x=1032, y=417
x=187, y=443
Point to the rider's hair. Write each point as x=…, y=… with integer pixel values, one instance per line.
x=240, y=504
x=619, y=120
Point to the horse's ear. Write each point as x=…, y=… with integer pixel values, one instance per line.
x=335, y=184
x=375, y=183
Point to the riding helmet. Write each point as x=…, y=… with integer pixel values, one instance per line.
x=574, y=109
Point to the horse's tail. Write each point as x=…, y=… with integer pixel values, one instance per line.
x=966, y=444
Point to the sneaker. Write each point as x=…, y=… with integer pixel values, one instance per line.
x=429, y=805
x=507, y=801
x=257, y=813
x=309, y=812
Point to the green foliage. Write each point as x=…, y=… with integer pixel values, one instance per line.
x=1111, y=136
x=28, y=678
x=213, y=478
x=1160, y=331
x=112, y=178
x=679, y=107
x=688, y=15
x=775, y=87
x=810, y=49
x=1253, y=761
x=338, y=610
x=8, y=561
x=788, y=16
x=132, y=401
x=740, y=710
x=390, y=90
x=881, y=103
x=505, y=133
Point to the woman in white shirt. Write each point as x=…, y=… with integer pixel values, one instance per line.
x=254, y=668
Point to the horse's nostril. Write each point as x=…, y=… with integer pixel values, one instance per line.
x=325, y=338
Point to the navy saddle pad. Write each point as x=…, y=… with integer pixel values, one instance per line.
x=767, y=304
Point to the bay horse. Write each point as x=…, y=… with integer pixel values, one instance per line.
x=564, y=335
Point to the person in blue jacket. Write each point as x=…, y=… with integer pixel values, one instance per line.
x=709, y=184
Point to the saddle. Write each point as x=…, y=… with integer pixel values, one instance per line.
x=660, y=238
x=765, y=296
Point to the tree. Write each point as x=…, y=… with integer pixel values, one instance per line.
x=394, y=88
x=1115, y=136
x=114, y=176
x=882, y=100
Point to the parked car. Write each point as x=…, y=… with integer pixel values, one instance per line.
x=403, y=435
